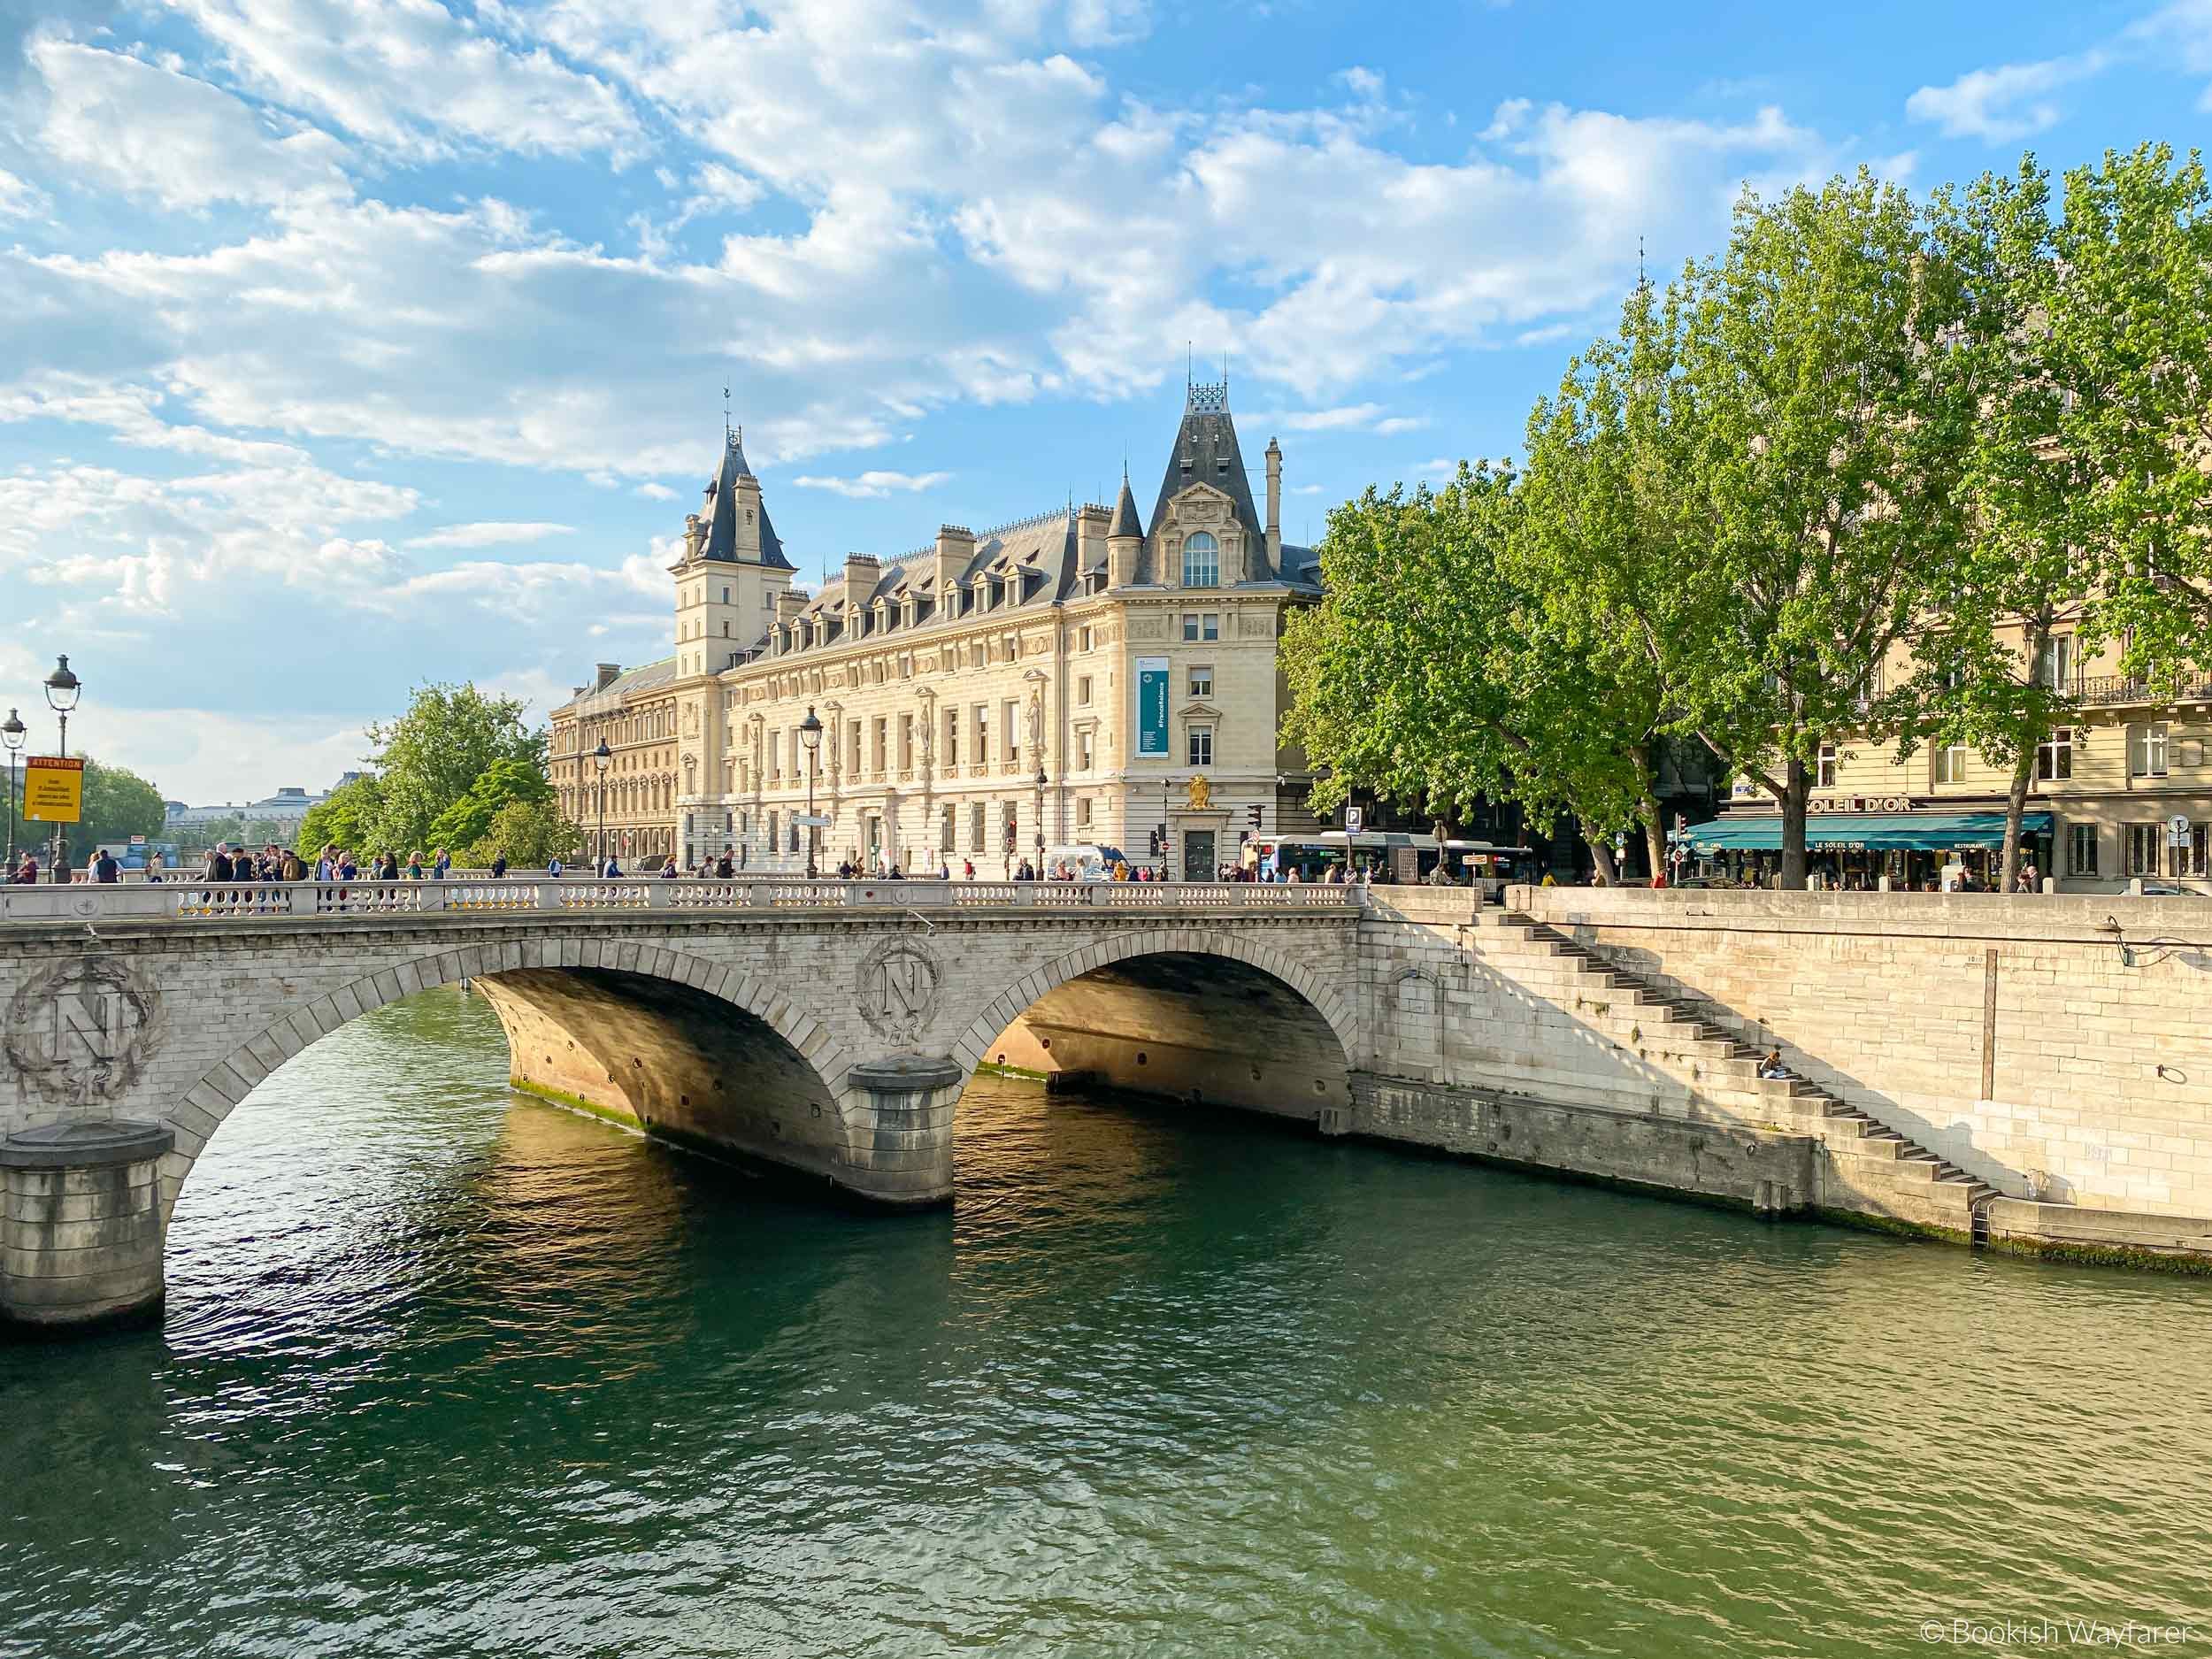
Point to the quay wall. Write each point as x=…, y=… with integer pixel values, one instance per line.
x=2057, y=1047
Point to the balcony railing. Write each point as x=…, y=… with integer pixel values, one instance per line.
x=2102, y=691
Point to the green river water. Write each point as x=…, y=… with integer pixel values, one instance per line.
x=445, y=1370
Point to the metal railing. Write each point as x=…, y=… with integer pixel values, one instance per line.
x=2099, y=691
x=186, y=900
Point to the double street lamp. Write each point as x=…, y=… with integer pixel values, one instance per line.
x=1040, y=818
x=13, y=733
x=603, y=757
x=810, y=734
x=62, y=691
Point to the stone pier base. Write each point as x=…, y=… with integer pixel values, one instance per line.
x=899, y=1148
x=81, y=1226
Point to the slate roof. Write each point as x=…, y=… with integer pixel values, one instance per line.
x=1206, y=452
x=1126, y=520
x=644, y=677
x=1036, y=557
x=722, y=521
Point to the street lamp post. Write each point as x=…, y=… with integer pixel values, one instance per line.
x=1041, y=820
x=1167, y=863
x=810, y=734
x=11, y=734
x=62, y=691
x=603, y=757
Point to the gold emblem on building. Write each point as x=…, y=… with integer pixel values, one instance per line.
x=1202, y=795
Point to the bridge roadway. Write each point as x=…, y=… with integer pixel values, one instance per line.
x=827, y=1027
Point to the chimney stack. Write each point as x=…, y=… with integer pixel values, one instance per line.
x=955, y=551
x=606, y=675
x=1274, y=507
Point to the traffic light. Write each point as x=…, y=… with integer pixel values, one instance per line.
x=1152, y=843
x=1253, y=812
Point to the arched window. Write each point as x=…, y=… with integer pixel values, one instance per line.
x=1201, y=560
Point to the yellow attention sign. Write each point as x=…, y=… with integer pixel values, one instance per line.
x=53, y=790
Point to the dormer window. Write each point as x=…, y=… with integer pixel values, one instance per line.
x=1201, y=560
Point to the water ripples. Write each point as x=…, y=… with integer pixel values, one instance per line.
x=448, y=1372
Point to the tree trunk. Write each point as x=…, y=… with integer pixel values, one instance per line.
x=1601, y=855
x=2016, y=804
x=1647, y=805
x=1797, y=788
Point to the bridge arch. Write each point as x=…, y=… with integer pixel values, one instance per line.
x=503, y=972
x=1201, y=1013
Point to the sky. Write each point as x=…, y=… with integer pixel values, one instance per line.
x=346, y=346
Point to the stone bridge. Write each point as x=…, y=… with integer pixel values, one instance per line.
x=825, y=1027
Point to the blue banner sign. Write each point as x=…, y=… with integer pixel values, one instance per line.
x=1152, y=707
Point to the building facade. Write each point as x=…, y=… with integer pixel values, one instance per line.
x=2123, y=790
x=1086, y=676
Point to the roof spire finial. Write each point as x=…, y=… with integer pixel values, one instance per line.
x=728, y=435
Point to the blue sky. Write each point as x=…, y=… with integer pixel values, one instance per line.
x=346, y=345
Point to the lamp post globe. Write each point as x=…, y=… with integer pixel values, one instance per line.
x=810, y=734
x=603, y=757
x=1041, y=820
x=62, y=688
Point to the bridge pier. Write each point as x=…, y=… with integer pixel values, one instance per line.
x=80, y=1225
x=898, y=1149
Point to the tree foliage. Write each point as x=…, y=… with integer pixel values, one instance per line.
x=1754, y=484
x=505, y=782
x=526, y=833
x=118, y=804
x=429, y=757
x=1434, y=673
x=2086, y=513
x=348, y=817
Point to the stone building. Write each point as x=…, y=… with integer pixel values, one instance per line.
x=1085, y=675
x=2121, y=791
x=630, y=807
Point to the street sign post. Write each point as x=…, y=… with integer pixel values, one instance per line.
x=811, y=820
x=1353, y=819
x=2176, y=831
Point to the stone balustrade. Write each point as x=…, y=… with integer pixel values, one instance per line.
x=184, y=901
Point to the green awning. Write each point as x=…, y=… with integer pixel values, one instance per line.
x=1872, y=832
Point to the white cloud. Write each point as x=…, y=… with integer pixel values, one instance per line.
x=2005, y=103
x=871, y=486
x=488, y=534
x=148, y=131
x=18, y=199
x=656, y=492
x=410, y=77
x=2181, y=30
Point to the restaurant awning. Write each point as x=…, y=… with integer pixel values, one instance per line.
x=1873, y=832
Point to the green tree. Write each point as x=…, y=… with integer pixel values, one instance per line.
x=118, y=804
x=428, y=759
x=2090, y=357
x=347, y=816
x=526, y=833
x=500, y=785
x=1431, y=676
x=1781, y=435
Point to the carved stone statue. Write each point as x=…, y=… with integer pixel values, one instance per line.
x=1037, y=724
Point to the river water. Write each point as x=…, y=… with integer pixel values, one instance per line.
x=445, y=1370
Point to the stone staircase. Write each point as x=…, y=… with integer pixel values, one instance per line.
x=1684, y=1032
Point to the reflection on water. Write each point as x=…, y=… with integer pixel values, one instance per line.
x=448, y=1372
